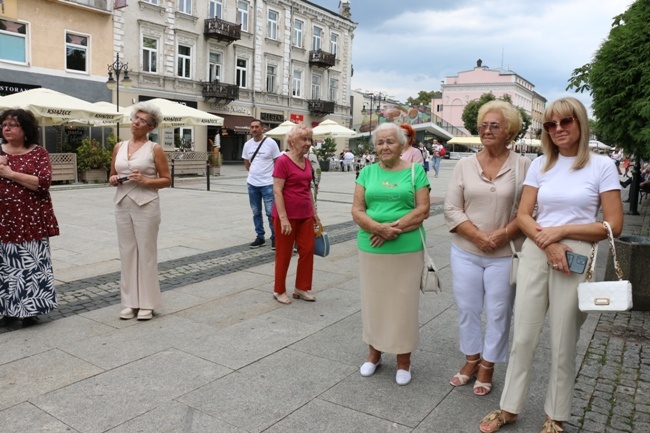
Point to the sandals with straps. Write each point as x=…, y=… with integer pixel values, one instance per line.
x=551, y=426
x=462, y=379
x=482, y=388
x=494, y=421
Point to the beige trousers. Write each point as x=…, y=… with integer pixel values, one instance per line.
x=137, y=236
x=541, y=289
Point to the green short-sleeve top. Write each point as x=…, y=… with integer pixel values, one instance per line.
x=389, y=196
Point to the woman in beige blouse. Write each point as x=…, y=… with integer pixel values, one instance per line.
x=139, y=169
x=480, y=213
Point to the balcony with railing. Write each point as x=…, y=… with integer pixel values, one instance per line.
x=318, y=107
x=322, y=58
x=220, y=92
x=221, y=30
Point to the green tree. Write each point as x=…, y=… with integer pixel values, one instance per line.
x=618, y=79
x=423, y=98
x=470, y=114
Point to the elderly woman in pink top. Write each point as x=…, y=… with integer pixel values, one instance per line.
x=294, y=215
x=480, y=212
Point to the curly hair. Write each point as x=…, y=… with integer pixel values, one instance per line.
x=27, y=122
x=299, y=131
x=151, y=109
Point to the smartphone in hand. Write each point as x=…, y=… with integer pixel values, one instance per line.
x=577, y=262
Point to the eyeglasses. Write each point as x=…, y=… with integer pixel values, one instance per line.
x=494, y=127
x=10, y=125
x=551, y=125
x=140, y=120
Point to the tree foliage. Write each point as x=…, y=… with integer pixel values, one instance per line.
x=423, y=98
x=618, y=79
x=470, y=114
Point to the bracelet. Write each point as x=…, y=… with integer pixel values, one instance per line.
x=507, y=239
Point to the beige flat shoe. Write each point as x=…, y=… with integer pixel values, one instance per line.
x=551, y=426
x=145, y=314
x=482, y=388
x=281, y=298
x=127, y=313
x=305, y=296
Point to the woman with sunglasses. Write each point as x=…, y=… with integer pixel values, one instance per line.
x=139, y=169
x=27, y=221
x=480, y=212
x=566, y=188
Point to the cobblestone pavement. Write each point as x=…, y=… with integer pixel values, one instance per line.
x=612, y=392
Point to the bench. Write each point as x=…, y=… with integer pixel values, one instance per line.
x=64, y=167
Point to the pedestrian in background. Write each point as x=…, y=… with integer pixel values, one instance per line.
x=389, y=206
x=27, y=220
x=480, y=211
x=259, y=156
x=139, y=168
x=294, y=215
x=565, y=189
x=436, y=148
x=411, y=153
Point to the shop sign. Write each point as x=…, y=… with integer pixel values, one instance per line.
x=296, y=118
x=272, y=117
x=7, y=88
x=230, y=109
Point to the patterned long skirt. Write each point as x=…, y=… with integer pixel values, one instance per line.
x=26, y=279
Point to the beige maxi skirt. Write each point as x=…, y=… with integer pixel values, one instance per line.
x=390, y=300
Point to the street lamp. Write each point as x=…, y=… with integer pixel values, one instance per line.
x=374, y=98
x=118, y=68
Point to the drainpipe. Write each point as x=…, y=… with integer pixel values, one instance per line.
x=254, y=52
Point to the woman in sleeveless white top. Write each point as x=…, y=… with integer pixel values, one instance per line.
x=139, y=168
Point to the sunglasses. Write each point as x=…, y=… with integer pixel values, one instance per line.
x=551, y=125
x=494, y=127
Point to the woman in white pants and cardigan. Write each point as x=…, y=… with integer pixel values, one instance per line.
x=568, y=184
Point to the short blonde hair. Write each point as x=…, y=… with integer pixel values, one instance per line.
x=567, y=107
x=510, y=114
x=299, y=131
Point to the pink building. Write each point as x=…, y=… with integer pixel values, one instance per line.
x=468, y=86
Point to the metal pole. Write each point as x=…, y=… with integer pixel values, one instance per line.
x=207, y=173
x=172, y=173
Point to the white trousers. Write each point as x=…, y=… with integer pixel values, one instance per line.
x=482, y=284
x=137, y=236
x=541, y=289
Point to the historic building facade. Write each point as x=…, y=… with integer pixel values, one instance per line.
x=274, y=60
x=466, y=86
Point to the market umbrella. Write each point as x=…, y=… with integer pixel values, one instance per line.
x=329, y=128
x=281, y=130
x=595, y=144
x=54, y=108
x=175, y=115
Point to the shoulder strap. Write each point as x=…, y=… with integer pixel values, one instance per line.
x=516, y=200
x=258, y=149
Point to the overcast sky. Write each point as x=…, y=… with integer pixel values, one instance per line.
x=404, y=46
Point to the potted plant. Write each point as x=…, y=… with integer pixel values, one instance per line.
x=93, y=161
x=214, y=159
x=325, y=151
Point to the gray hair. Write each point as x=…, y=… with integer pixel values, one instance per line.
x=151, y=109
x=399, y=132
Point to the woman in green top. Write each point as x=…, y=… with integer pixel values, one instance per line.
x=389, y=208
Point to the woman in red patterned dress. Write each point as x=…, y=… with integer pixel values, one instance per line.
x=26, y=220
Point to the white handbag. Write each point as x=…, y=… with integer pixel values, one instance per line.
x=429, y=281
x=605, y=296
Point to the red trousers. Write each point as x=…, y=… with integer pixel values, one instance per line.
x=302, y=234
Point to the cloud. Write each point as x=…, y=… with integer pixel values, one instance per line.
x=408, y=46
